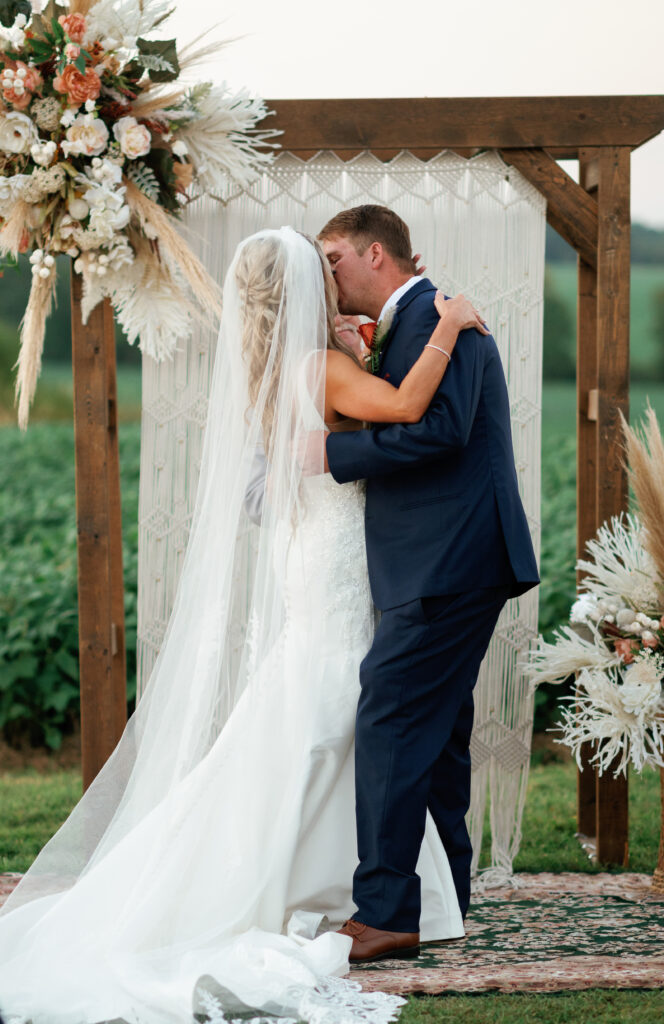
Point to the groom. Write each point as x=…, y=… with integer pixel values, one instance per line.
x=447, y=544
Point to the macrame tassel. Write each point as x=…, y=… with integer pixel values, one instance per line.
x=33, y=328
x=14, y=228
x=152, y=216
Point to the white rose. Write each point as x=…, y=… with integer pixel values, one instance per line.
x=134, y=138
x=17, y=132
x=86, y=136
x=180, y=148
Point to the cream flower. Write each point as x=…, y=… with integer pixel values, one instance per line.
x=17, y=132
x=134, y=138
x=642, y=686
x=43, y=153
x=108, y=211
x=86, y=136
x=584, y=608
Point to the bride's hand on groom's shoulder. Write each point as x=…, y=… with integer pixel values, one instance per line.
x=460, y=312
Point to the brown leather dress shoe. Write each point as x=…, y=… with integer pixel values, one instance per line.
x=373, y=944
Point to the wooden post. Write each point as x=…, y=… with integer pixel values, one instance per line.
x=613, y=292
x=586, y=451
x=99, y=531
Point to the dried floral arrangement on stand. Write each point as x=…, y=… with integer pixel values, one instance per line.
x=101, y=146
x=615, y=641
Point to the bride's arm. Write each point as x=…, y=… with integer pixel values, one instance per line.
x=353, y=392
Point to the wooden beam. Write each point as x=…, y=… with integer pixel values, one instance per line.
x=587, y=407
x=570, y=210
x=613, y=293
x=431, y=124
x=99, y=529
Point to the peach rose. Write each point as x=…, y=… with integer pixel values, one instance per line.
x=74, y=25
x=18, y=83
x=134, y=138
x=72, y=51
x=78, y=87
x=625, y=649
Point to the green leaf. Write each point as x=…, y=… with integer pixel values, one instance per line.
x=166, y=50
x=58, y=31
x=80, y=63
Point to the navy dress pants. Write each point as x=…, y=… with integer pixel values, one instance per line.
x=414, y=720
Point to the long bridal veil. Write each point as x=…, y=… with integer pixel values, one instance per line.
x=164, y=891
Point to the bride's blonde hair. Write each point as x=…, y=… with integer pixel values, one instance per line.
x=259, y=273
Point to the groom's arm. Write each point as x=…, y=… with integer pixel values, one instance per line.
x=444, y=428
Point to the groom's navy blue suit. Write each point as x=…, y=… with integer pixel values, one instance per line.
x=447, y=544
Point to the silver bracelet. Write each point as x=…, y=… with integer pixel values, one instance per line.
x=439, y=349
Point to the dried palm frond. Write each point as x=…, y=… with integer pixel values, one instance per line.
x=570, y=653
x=188, y=56
x=621, y=565
x=149, y=102
x=79, y=6
x=153, y=310
x=158, y=222
x=597, y=714
x=645, y=461
x=14, y=228
x=223, y=142
x=33, y=327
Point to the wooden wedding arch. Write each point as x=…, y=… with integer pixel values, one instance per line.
x=592, y=215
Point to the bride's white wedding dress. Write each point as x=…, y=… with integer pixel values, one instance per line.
x=209, y=894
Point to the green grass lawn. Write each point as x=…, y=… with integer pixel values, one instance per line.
x=598, y=1006
x=35, y=805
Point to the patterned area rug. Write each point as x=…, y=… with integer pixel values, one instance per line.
x=546, y=933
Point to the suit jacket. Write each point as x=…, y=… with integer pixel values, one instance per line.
x=443, y=511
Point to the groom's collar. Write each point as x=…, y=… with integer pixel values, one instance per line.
x=397, y=295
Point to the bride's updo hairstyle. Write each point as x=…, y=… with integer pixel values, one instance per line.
x=260, y=274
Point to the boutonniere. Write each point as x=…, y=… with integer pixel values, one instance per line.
x=383, y=326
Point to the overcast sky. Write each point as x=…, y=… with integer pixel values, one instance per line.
x=356, y=48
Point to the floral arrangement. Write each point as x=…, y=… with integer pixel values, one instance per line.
x=101, y=146
x=377, y=341
x=615, y=640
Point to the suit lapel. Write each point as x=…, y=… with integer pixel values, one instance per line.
x=423, y=285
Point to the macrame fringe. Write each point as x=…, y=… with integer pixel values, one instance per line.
x=33, y=329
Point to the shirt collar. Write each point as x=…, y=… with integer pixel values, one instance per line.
x=397, y=295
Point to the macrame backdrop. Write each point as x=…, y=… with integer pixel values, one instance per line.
x=480, y=227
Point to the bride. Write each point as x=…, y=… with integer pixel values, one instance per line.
x=194, y=874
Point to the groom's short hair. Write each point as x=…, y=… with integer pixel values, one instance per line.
x=366, y=224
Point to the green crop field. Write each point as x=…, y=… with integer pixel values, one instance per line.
x=646, y=330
